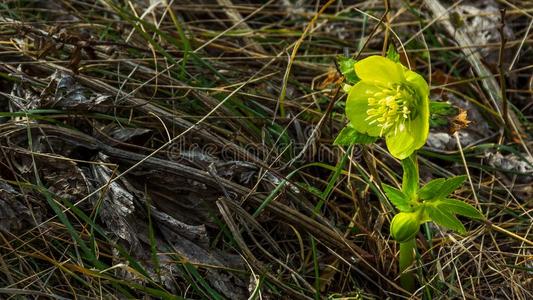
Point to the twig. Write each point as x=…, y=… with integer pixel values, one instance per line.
x=293, y=57
x=508, y=233
x=386, y=38
x=503, y=91
x=236, y=18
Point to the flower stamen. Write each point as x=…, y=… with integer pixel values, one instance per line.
x=389, y=108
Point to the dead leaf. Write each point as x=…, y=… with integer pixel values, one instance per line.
x=459, y=122
x=331, y=78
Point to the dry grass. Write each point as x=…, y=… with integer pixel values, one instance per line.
x=183, y=149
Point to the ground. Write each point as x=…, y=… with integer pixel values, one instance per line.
x=184, y=149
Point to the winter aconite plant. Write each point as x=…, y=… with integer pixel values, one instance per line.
x=385, y=99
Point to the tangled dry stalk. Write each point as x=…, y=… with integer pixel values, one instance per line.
x=183, y=149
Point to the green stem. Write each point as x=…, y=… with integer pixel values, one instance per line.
x=407, y=258
x=408, y=249
x=410, y=175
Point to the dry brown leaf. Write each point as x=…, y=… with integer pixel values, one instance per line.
x=331, y=78
x=459, y=122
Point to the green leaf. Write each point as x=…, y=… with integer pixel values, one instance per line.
x=410, y=176
x=460, y=208
x=450, y=185
x=392, y=54
x=445, y=218
x=346, y=67
x=442, y=108
x=440, y=112
x=350, y=136
x=397, y=197
x=431, y=189
x=200, y=282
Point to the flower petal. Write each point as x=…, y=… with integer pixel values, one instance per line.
x=417, y=82
x=380, y=70
x=357, y=106
x=404, y=143
x=401, y=144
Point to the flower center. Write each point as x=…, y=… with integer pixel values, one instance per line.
x=389, y=109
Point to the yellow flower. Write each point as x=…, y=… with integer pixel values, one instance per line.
x=390, y=101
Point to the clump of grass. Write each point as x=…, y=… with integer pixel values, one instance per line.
x=221, y=177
